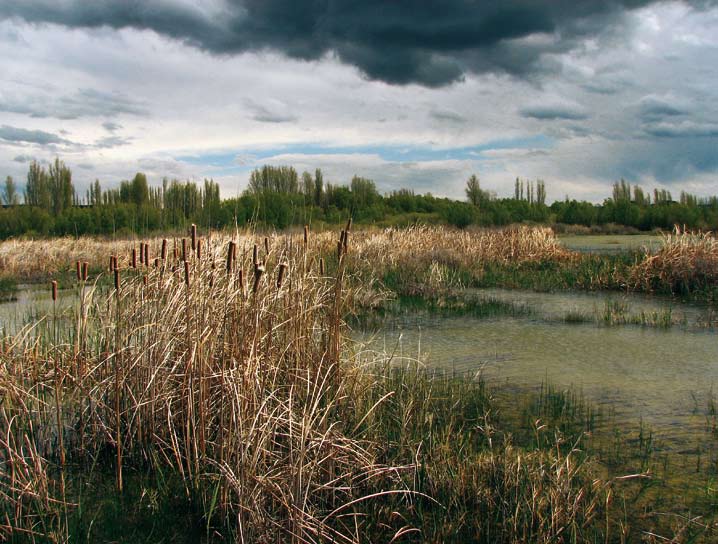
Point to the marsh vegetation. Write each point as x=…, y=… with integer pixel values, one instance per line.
x=211, y=388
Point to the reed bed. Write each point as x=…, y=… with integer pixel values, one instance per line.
x=221, y=364
x=225, y=363
x=687, y=262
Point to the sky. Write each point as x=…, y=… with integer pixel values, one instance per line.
x=412, y=94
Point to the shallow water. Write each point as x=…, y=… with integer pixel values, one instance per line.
x=610, y=243
x=663, y=377
x=33, y=305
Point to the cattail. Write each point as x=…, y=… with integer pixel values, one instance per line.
x=255, y=256
x=157, y=262
x=142, y=252
x=85, y=270
x=163, y=252
x=266, y=245
x=144, y=280
x=280, y=274
x=54, y=290
x=340, y=247
x=193, y=234
x=258, y=272
x=78, y=270
x=117, y=280
x=186, y=273
x=241, y=280
x=199, y=249
x=321, y=266
x=147, y=254
x=112, y=263
x=174, y=249
x=306, y=234
x=230, y=256
x=184, y=249
x=134, y=258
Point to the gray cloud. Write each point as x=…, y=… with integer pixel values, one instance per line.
x=448, y=116
x=82, y=103
x=557, y=111
x=21, y=135
x=432, y=42
x=109, y=126
x=22, y=159
x=684, y=129
x=277, y=112
x=654, y=107
x=111, y=141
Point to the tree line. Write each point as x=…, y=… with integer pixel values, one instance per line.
x=279, y=197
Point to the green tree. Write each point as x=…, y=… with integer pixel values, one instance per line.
x=474, y=193
x=318, y=187
x=62, y=192
x=9, y=194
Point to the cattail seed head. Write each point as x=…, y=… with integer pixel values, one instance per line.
x=241, y=280
x=255, y=256
x=144, y=280
x=117, y=279
x=163, y=252
x=199, y=249
x=280, y=274
x=157, y=262
x=134, y=258
x=147, y=254
x=306, y=234
x=78, y=270
x=230, y=256
x=266, y=245
x=142, y=252
x=53, y=283
x=85, y=270
x=112, y=263
x=258, y=272
x=186, y=273
x=184, y=249
x=321, y=266
x=193, y=235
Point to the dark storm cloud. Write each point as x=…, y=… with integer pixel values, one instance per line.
x=21, y=135
x=430, y=42
x=83, y=103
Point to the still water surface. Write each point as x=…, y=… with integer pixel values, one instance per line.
x=664, y=377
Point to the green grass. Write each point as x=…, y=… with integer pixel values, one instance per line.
x=8, y=289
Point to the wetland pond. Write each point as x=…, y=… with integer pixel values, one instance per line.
x=663, y=372
x=661, y=375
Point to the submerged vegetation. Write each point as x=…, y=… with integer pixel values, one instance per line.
x=207, y=388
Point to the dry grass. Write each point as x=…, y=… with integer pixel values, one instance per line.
x=234, y=386
x=231, y=369
x=686, y=262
